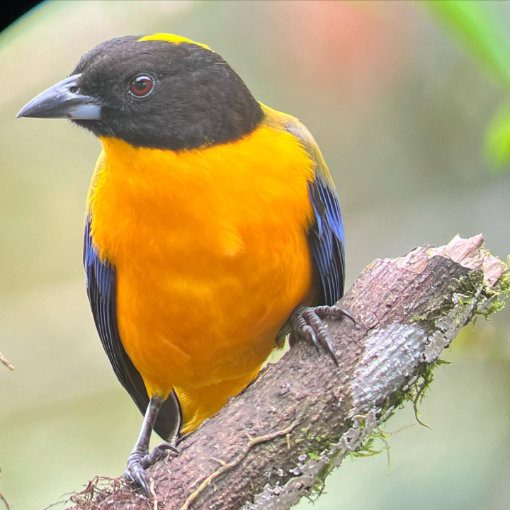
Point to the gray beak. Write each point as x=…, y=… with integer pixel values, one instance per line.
x=63, y=101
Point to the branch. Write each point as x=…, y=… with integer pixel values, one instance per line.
x=6, y=362
x=283, y=435
x=4, y=501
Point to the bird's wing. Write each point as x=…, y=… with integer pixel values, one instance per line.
x=101, y=290
x=326, y=233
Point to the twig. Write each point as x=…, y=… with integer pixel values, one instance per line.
x=5, y=502
x=6, y=362
x=225, y=466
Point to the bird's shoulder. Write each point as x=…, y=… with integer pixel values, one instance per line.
x=326, y=234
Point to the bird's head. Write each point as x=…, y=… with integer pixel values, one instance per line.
x=160, y=91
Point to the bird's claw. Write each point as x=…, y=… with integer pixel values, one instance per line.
x=139, y=461
x=159, y=452
x=135, y=472
x=307, y=323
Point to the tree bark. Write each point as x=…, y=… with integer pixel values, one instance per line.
x=283, y=435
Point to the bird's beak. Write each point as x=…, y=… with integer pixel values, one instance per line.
x=63, y=101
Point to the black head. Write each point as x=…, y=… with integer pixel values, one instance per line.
x=160, y=91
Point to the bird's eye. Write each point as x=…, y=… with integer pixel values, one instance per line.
x=141, y=86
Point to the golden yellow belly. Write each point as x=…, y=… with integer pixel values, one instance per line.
x=211, y=257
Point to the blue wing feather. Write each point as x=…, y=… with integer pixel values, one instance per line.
x=101, y=290
x=326, y=238
x=326, y=234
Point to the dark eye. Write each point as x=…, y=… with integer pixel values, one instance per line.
x=142, y=85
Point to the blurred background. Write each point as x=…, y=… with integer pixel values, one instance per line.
x=400, y=102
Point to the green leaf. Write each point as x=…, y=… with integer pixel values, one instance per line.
x=497, y=140
x=477, y=24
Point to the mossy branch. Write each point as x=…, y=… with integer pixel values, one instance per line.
x=280, y=438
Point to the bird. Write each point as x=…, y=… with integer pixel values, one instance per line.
x=213, y=228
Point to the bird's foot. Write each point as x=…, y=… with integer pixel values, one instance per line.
x=139, y=461
x=307, y=324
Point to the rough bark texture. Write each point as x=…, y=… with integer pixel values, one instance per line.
x=279, y=439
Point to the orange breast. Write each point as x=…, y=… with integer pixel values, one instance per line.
x=211, y=255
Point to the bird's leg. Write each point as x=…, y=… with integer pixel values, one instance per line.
x=140, y=458
x=307, y=324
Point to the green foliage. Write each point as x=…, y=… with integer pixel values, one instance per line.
x=477, y=24
x=376, y=443
x=497, y=139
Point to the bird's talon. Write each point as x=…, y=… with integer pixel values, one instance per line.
x=139, y=461
x=309, y=333
x=307, y=323
x=159, y=452
x=135, y=473
x=334, y=312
